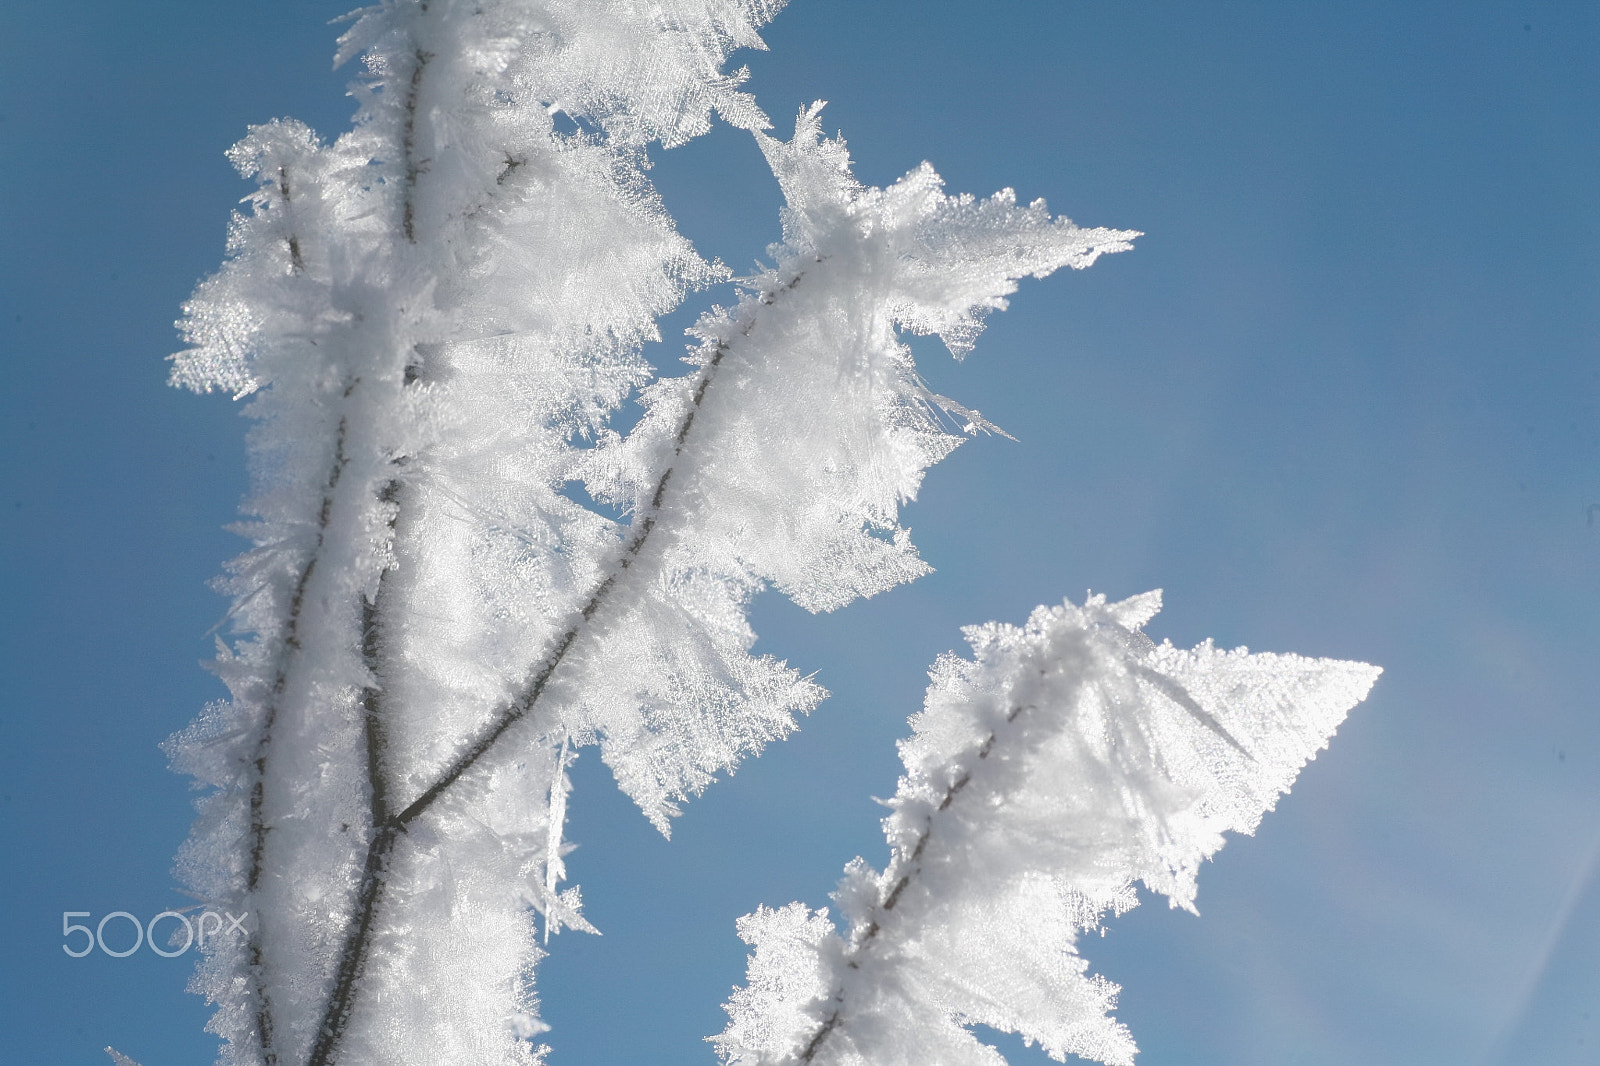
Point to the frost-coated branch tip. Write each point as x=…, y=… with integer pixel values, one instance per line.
x=1071, y=759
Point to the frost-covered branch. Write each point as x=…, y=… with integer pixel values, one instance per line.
x=868, y=260
x=1073, y=758
x=820, y=430
x=364, y=268
x=353, y=953
x=436, y=315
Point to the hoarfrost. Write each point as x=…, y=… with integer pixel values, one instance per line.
x=1069, y=760
x=434, y=317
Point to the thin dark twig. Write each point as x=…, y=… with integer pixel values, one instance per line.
x=408, y=139
x=340, y=1005
x=367, y=898
x=287, y=656
x=296, y=263
x=512, y=163
x=519, y=707
x=370, y=891
x=911, y=862
x=342, y=1001
x=815, y=1043
x=372, y=695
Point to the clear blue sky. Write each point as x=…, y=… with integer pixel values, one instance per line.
x=1341, y=400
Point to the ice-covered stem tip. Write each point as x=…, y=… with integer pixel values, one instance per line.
x=937, y=263
x=817, y=430
x=1072, y=758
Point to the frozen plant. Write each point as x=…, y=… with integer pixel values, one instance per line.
x=434, y=318
x=436, y=314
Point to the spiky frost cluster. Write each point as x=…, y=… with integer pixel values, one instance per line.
x=804, y=428
x=1072, y=759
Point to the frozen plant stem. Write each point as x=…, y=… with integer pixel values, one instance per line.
x=408, y=141
x=1069, y=760
x=908, y=869
x=907, y=865
x=371, y=617
x=370, y=701
x=288, y=657
x=387, y=829
x=371, y=889
x=383, y=828
x=297, y=262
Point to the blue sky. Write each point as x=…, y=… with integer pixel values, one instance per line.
x=1340, y=400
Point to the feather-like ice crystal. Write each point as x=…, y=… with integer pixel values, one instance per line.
x=1071, y=759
